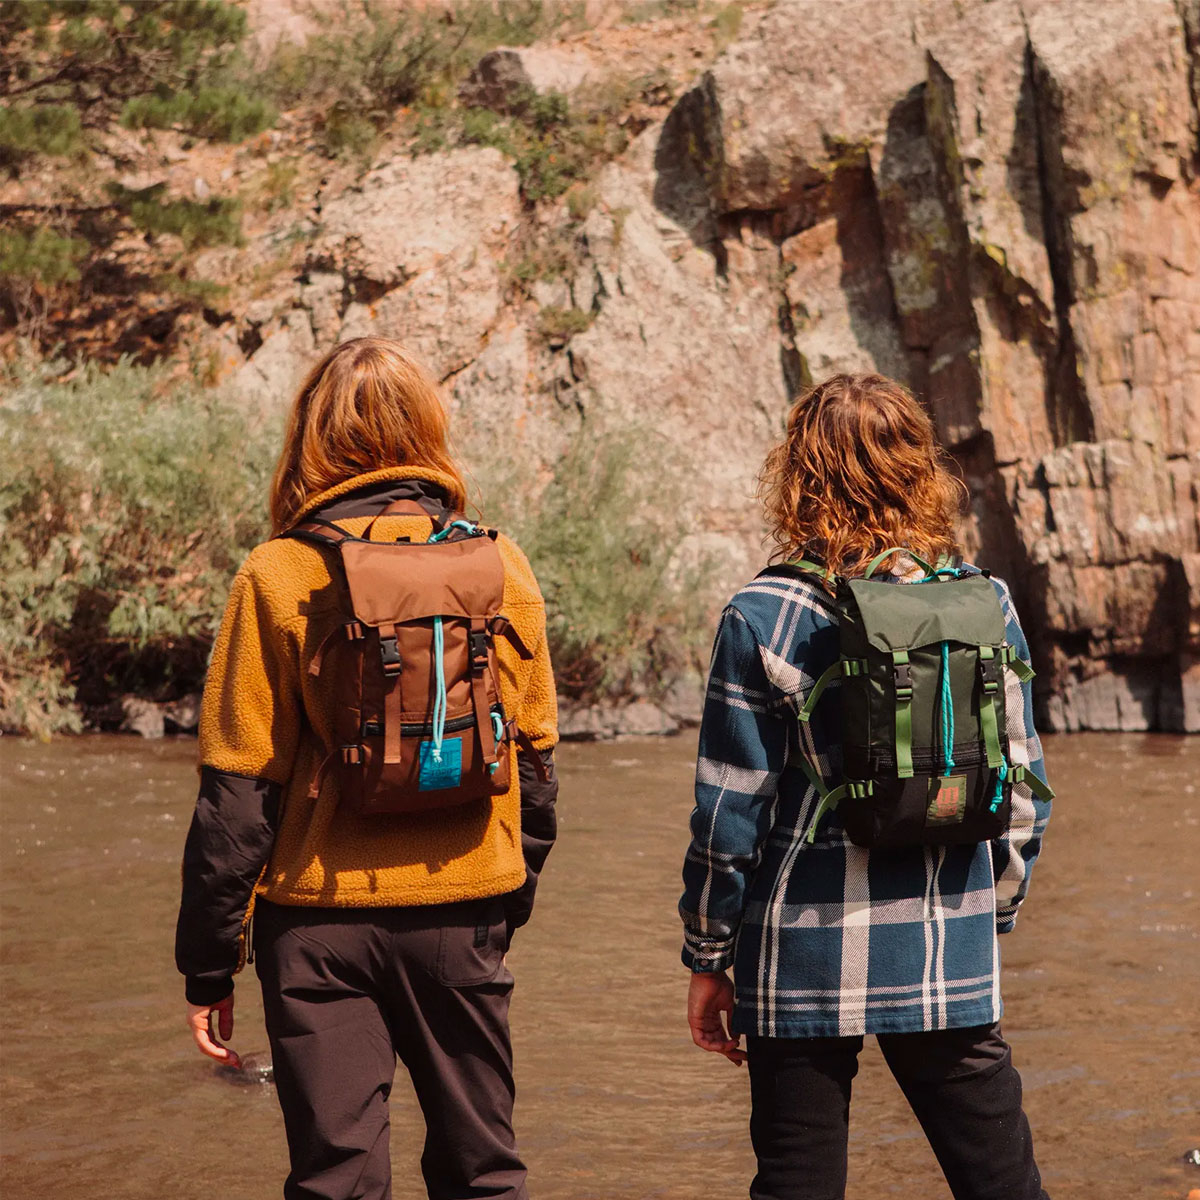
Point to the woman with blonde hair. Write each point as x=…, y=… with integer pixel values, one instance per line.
x=381, y=910
x=853, y=878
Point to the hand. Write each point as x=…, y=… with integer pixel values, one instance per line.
x=710, y=995
x=199, y=1021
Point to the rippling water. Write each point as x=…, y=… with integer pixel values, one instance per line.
x=104, y=1096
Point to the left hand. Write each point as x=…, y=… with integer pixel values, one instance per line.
x=710, y=995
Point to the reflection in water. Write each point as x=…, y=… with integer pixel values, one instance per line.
x=105, y=1096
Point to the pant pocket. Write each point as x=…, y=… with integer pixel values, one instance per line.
x=471, y=943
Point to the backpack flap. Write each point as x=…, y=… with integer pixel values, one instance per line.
x=392, y=582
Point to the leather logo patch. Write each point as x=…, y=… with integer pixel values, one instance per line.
x=947, y=800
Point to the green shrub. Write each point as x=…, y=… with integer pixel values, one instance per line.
x=127, y=500
x=603, y=536
x=564, y=323
x=89, y=64
x=53, y=129
x=40, y=256
x=371, y=59
x=225, y=114
x=217, y=221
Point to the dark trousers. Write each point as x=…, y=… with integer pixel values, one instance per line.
x=960, y=1083
x=347, y=990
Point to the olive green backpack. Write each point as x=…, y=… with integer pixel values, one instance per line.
x=924, y=731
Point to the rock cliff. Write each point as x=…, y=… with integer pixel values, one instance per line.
x=996, y=202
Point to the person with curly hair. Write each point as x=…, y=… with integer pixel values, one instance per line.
x=829, y=940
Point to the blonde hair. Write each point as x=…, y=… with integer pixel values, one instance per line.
x=367, y=404
x=859, y=470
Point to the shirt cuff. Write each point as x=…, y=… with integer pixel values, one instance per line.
x=704, y=957
x=1006, y=918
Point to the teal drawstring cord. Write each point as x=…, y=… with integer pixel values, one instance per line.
x=1001, y=776
x=439, y=655
x=947, y=711
x=464, y=525
x=439, y=696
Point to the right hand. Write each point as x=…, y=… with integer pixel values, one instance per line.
x=200, y=1022
x=710, y=994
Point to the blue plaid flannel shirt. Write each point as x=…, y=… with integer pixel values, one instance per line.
x=828, y=938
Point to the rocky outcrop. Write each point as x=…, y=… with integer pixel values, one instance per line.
x=996, y=202
x=504, y=79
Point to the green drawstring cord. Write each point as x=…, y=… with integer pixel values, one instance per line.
x=947, y=711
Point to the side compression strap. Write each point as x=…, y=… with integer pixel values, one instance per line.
x=988, y=703
x=1018, y=666
x=1022, y=774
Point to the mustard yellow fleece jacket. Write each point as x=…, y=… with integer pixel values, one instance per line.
x=265, y=726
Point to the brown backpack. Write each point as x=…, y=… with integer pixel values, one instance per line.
x=411, y=673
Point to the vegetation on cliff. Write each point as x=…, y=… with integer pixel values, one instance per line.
x=98, y=96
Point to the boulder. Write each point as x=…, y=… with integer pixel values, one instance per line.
x=809, y=88
x=504, y=79
x=143, y=717
x=275, y=370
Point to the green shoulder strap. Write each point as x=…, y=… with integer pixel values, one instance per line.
x=843, y=666
x=874, y=564
x=812, y=567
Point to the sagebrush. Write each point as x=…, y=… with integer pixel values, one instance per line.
x=127, y=500
x=129, y=496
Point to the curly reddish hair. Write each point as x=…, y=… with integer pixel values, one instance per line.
x=859, y=470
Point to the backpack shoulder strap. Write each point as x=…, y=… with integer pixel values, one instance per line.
x=319, y=532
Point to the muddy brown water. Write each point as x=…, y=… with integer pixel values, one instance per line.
x=104, y=1096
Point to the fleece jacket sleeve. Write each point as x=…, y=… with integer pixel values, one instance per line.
x=249, y=724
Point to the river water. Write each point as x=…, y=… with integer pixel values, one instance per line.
x=104, y=1096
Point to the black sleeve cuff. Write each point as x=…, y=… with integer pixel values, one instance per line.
x=539, y=827
x=200, y=989
x=228, y=844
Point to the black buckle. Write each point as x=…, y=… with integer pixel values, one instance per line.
x=989, y=675
x=903, y=680
x=352, y=755
x=477, y=641
x=389, y=654
x=371, y=728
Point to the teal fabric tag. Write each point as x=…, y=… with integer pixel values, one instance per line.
x=445, y=774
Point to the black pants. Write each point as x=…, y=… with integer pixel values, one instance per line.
x=347, y=990
x=960, y=1083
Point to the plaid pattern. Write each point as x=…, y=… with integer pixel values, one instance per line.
x=828, y=938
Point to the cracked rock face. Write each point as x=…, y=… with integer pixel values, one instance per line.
x=997, y=203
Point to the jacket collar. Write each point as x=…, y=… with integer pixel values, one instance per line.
x=370, y=493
